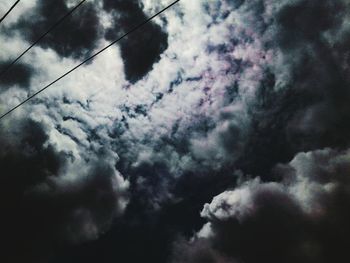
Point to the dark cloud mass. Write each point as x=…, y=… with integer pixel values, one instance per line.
x=302, y=219
x=43, y=204
x=20, y=75
x=139, y=51
x=77, y=35
x=303, y=104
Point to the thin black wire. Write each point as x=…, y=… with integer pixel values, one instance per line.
x=88, y=59
x=40, y=38
x=12, y=7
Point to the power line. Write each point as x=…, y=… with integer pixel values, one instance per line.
x=12, y=7
x=40, y=38
x=88, y=59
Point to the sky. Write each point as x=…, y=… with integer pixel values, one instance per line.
x=216, y=133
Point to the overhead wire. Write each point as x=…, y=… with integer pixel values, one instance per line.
x=88, y=59
x=9, y=11
x=3, y=72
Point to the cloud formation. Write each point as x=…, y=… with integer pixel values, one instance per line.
x=76, y=37
x=50, y=197
x=20, y=75
x=301, y=103
x=139, y=51
x=162, y=119
x=303, y=218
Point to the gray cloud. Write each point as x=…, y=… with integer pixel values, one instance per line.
x=300, y=100
x=303, y=218
x=139, y=51
x=50, y=197
x=20, y=75
x=76, y=37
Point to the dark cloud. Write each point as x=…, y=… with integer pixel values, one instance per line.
x=151, y=222
x=269, y=234
x=142, y=49
x=44, y=203
x=305, y=21
x=76, y=37
x=302, y=101
x=303, y=219
x=19, y=74
x=200, y=252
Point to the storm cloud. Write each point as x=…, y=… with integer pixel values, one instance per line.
x=301, y=104
x=303, y=218
x=139, y=51
x=20, y=75
x=48, y=197
x=236, y=108
x=76, y=37
x=57, y=190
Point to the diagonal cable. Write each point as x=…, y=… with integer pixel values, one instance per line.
x=40, y=38
x=88, y=59
x=12, y=7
